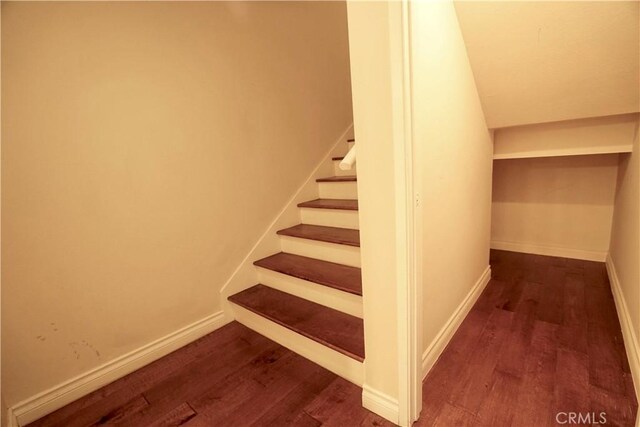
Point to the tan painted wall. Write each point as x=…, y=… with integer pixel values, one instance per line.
x=454, y=160
x=625, y=234
x=372, y=118
x=146, y=146
x=556, y=205
x=547, y=61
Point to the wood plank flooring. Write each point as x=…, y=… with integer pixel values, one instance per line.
x=543, y=338
x=231, y=377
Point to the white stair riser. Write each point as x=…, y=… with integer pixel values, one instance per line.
x=332, y=252
x=320, y=294
x=344, y=366
x=330, y=217
x=339, y=172
x=338, y=190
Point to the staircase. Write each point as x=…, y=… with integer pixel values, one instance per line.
x=309, y=298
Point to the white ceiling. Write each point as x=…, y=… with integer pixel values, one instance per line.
x=548, y=61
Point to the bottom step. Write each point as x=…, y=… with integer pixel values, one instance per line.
x=325, y=336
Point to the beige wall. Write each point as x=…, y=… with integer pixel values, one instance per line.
x=454, y=160
x=625, y=234
x=559, y=206
x=547, y=61
x=146, y=146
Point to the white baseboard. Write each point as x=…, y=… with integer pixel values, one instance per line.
x=528, y=248
x=268, y=243
x=629, y=336
x=380, y=404
x=431, y=354
x=11, y=419
x=62, y=394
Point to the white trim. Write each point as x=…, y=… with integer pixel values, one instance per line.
x=62, y=394
x=409, y=403
x=631, y=343
x=380, y=403
x=529, y=248
x=12, y=421
x=626, y=148
x=245, y=275
x=431, y=354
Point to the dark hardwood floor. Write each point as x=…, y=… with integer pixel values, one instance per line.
x=543, y=338
x=231, y=377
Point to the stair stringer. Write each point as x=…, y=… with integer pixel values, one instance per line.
x=246, y=274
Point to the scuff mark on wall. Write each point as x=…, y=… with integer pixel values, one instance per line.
x=77, y=348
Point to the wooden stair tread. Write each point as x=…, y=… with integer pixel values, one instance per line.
x=337, y=330
x=342, y=178
x=343, y=204
x=338, y=276
x=342, y=236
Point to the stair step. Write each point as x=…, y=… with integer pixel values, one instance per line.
x=351, y=140
x=344, y=178
x=339, y=331
x=337, y=158
x=343, y=204
x=337, y=276
x=341, y=236
x=338, y=190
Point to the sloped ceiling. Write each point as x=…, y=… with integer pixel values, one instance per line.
x=539, y=62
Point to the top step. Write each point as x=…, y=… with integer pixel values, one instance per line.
x=345, y=178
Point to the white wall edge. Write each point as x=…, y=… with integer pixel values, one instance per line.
x=528, y=248
x=64, y=393
x=631, y=344
x=268, y=243
x=380, y=403
x=437, y=346
x=627, y=148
